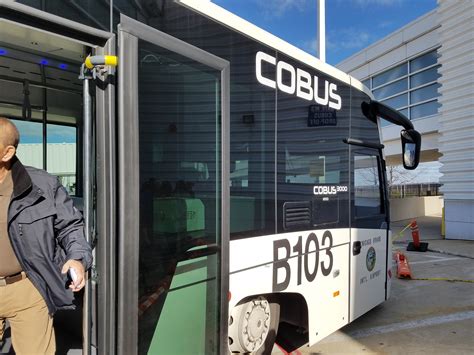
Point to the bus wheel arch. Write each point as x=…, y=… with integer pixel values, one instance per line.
x=253, y=325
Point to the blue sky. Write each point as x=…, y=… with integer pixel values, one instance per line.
x=351, y=25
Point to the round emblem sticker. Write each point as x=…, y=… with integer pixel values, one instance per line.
x=370, y=259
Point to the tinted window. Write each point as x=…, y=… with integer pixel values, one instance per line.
x=424, y=77
x=391, y=89
x=397, y=101
x=180, y=195
x=425, y=93
x=390, y=75
x=367, y=199
x=252, y=115
x=366, y=179
x=92, y=13
x=312, y=155
x=423, y=61
x=426, y=109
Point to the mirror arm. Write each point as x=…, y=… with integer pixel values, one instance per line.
x=375, y=108
x=362, y=143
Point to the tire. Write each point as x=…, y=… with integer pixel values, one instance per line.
x=267, y=346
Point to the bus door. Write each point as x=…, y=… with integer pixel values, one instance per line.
x=369, y=244
x=173, y=195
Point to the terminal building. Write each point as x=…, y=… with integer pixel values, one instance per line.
x=426, y=70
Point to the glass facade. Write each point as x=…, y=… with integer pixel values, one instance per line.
x=309, y=155
x=411, y=87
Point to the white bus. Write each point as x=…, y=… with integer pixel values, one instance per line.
x=231, y=182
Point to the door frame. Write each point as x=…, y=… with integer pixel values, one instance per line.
x=102, y=42
x=129, y=32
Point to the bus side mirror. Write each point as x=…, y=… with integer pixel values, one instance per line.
x=411, y=145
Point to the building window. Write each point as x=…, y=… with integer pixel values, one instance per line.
x=411, y=87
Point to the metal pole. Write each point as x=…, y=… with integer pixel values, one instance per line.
x=87, y=189
x=321, y=36
x=44, y=118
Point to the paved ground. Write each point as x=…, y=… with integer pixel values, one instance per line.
x=421, y=317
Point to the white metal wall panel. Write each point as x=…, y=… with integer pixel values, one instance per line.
x=457, y=115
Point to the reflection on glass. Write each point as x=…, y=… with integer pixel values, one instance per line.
x=397, y=101
x=423, y=61
x=390, y=75
x=391, y=89
x=426, y=109
x=409, y=155
x=311, y=153
x=92, y=13
x=180, y=159
x=424, y=77
x=367, y=198
x=425, y=93
x=404, y=112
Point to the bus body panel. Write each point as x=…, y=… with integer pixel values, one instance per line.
x=389, y=265
x=368, y=269
x=314, y=264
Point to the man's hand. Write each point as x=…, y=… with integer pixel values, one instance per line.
x=79, y=283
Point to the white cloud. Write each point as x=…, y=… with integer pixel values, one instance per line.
x=341, y=40
x=365, y=3
x=277, y=8
x=348, y=38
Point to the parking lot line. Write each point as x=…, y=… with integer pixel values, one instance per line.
x=426, y=322
x=433, y=261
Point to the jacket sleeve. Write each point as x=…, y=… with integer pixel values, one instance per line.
x=69, y=228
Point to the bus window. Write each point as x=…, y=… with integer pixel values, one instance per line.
x=62, y=148
x=312, y=169
x=367, y=197
x=311, y=156
x=252, y=149
x=30, y=149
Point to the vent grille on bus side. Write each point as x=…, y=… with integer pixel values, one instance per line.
x=296, y=214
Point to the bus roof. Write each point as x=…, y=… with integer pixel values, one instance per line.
x=238, y=24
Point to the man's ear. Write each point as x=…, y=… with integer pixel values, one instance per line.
x=9, y=153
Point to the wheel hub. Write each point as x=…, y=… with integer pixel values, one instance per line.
x=255, y=324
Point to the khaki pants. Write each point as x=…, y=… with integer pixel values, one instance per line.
x=26, y=311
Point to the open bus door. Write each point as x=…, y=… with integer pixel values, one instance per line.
x=173, y=190
x=36, y=46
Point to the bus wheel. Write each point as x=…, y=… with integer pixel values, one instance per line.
x=253, y=326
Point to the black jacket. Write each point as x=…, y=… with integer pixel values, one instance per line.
x=45, y=230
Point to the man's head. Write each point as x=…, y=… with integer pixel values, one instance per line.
x=9, y=139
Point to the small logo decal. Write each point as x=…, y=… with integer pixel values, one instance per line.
x=370, y=259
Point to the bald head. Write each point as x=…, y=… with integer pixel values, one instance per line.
x=9, y=134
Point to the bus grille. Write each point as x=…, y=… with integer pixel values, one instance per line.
x=296, y=214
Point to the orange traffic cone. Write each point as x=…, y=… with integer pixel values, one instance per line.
x=415, y=234
x=403, y=269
